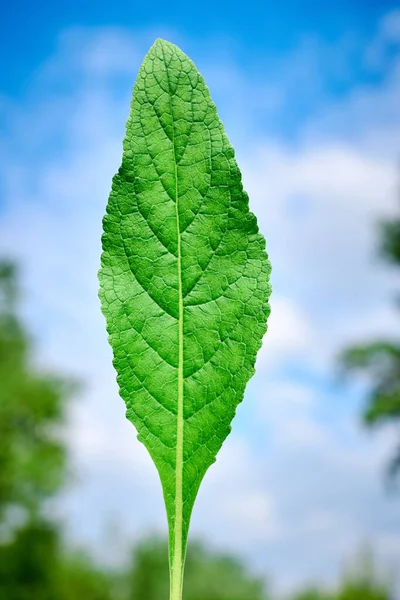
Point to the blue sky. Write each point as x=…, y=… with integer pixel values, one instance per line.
x=310, y=100
x=262, y=28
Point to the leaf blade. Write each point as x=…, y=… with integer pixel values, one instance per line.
x=184, y=280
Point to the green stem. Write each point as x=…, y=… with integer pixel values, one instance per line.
x=176, y=583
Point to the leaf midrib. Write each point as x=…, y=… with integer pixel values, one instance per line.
x=177, y=563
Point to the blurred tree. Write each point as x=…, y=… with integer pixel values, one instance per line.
x=360, y=581
x=32, y=457
x=34, y=566
x=28, y=564
x=208, y=576
x=313, y=594
x=79, y=578
x=362, y=590
x=380, y=359
x=363, y=580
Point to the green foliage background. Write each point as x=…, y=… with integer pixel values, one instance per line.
x=380, y=360
x=35, y=561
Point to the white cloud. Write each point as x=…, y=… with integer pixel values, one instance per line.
x=289, y=334
x=318, y=208
x=233, y=493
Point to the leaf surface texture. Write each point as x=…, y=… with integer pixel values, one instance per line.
x=184, y=282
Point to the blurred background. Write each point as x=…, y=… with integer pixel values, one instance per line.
x=304, y=500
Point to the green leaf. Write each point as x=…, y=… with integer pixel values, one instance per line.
x=184, y=282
